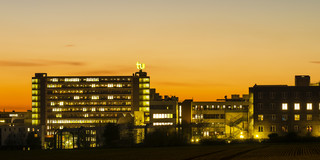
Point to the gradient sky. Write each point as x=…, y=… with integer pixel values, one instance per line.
x=201, y=49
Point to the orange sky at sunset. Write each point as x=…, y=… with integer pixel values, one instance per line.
x=202, y=49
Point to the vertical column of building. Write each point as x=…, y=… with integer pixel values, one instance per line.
x=38, y=97
x=144, y=97
x=35, y=101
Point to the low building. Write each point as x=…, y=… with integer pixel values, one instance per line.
x=224, y=118
x=15, y=118
x=164, y=110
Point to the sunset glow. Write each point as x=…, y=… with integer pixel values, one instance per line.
x=191, y=49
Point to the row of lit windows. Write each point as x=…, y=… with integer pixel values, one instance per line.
x=162, y=116
x=83, y=79
x=122, y=91
x=62, y=103
x=79, y=121
x=144, y=97
x=91, y=109
x=162, y=123
x=35, y=80
x=110, y=85
x=82, y=115
x=144, y=85
x=284, y=106
x=35, y=92
x=144, y=80
x=94, y=97
x=216, y=107
x=273, y=128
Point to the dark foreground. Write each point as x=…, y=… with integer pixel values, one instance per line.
x=223, y=152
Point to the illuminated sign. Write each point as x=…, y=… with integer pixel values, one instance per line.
x=141, y=65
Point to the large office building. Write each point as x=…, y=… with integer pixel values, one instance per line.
x=90, y=101
x=224, y=118
x=282, y=109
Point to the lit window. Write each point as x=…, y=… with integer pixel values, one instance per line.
x=110, y=97
x=72, y=79
x=309, y=117
x=54, y=80
x=162, y=116
x=95, y=97
x=86, y=115
x=162, y=123
x=309, y=106
x=76, y=97
x=61, y=103
x=84, y=109
x=13, y=115
x=260, y=117
x=93, y=85
x=110, y=85
x=93, y=109
x=92, y=79
x=58, y=115
x=297, y=117
x=52, y=104
x=297, y=106
x=284, y=106
x=309, y=128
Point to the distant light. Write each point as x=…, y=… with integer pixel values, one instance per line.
x=241, y=136
x=257, y=136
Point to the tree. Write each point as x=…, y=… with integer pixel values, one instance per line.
x=111, y=134
x=33, y=140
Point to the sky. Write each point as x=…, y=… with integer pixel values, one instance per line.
x=202, y=49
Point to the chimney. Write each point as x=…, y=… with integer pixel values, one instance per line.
x=302, y=80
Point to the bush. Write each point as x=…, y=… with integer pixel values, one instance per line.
x=163, y=137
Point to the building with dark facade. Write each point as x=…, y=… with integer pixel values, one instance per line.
x=282, y=109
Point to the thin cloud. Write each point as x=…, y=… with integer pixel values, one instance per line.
x=178, y=84
x=119, y=71
x=315, y=62
x=36, y=63
x=20, y=64
x=181, y=84
x=72, y=63
x=69, y=45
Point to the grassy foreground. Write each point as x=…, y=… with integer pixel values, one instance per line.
x=223, y=152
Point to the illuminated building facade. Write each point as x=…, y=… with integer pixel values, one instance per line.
x=282, y=109
x=88, y=101
x=163, y=111
x=224, y=118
